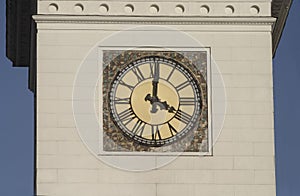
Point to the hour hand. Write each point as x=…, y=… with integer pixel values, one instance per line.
x=166, y=106
x=156, y=102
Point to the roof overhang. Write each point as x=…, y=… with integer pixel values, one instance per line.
x=280, y=10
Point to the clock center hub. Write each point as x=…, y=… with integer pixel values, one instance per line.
x=154, y=110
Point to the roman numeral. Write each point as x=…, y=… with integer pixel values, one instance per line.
x=171, y=73
x=121, y=100
x=151, y=70
x=183, y=117
x=182, y=85
x=187, y=101
x=127, y=116
x=138, y=73
x=138, y=128
x=127, y=85
x=173, y=131
x=154, y=70
x=155, y=132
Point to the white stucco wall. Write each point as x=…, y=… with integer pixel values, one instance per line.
x=243, y=156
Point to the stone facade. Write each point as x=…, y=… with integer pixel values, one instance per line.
x=238, y=34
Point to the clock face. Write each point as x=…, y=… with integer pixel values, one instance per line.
x=155, y=101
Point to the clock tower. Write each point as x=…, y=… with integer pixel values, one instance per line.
x=150, y=98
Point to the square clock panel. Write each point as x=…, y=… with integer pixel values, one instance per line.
x=155, y=101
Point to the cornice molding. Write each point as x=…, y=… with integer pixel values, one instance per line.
x=154, y=20
x=211, y=8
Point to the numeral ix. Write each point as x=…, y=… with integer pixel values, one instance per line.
x=127, y=116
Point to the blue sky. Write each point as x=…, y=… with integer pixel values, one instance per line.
x=287, y=106
x=16, y=116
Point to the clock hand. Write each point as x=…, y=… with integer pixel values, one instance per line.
x=153, y=101
x=170, y=109
x=149, y=98
x=156, y=72
x=154, y=89
x=155, y=80
x=163, y=105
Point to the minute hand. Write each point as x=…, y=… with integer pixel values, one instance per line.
x=155, y=80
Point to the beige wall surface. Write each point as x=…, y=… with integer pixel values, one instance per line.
x=243, y=155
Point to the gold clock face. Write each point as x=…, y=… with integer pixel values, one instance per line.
x=155, y=101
